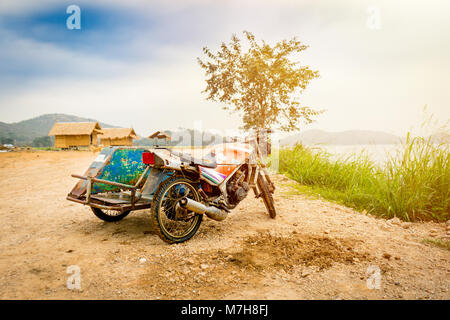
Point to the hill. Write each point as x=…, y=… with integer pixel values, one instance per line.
x=23, y=132
x=311, y=137
x=441, y=137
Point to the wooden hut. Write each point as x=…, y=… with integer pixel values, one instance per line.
x=158, y=136
x=75, y=134
x=118, y=137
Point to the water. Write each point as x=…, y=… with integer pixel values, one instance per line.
x=378, y=153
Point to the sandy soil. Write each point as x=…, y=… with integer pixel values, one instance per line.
x=313, y=250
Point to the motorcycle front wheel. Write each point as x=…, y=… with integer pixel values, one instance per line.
x=172, y=223
x=266, y=195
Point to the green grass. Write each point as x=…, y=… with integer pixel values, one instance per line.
x=46, y=149
x=441, y=243
x=294, y=188
x=413, y=185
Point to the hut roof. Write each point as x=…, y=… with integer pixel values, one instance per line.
x=119, y=133
x=75, y=128
x=160, y=135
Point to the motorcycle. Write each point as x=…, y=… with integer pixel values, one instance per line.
x=178, y=188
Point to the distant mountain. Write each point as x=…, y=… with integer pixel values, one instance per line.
x=23, y=132
x=311, y=137
x=440, y=137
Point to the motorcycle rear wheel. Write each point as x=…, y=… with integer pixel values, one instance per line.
x=168, y=226
x=266, y=195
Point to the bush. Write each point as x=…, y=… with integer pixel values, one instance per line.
x=42, y=142
x=413, y=185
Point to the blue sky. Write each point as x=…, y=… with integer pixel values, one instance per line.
x=110, y=33
x=105, y=30
x=133, y=63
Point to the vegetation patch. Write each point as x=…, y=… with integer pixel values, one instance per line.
x=441, y=243
x=413, y=185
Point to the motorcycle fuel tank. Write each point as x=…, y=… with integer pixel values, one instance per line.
x=229, y=156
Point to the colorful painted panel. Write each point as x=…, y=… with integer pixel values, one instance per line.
x=92, y=171
x=124, y=166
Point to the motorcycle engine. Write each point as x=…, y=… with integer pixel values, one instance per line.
x=237, y=188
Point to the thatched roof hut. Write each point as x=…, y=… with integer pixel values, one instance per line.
x=159, y=136
x=75, y=134
x=118, y=137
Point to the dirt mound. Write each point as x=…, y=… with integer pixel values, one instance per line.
x=266, y=250
x=259, y=255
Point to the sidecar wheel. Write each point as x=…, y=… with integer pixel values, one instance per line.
x=109, y=215
x=173, y=227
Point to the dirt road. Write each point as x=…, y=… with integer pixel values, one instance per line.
x=313, y=250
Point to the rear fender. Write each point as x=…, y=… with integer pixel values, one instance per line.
x=154, y=179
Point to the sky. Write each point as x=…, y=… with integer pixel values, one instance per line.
x=133, y=63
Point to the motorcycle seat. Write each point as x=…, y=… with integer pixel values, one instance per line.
x=208, y=160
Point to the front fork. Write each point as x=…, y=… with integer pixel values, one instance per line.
x=259, y=169
x=262, y=168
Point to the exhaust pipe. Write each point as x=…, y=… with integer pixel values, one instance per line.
x=198, y=207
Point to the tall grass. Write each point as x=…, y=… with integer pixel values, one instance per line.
x=412, y=185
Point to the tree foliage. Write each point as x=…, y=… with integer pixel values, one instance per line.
x=40, y=142
x=5, y=140
x=262, y=82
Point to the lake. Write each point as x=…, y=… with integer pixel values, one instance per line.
x=378, y=153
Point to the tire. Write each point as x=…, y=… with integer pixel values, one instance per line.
x=108, y=217
x=159, y=216
x=267, y=196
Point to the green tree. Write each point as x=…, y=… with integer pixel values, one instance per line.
x=262, y=82
x=42, y=142
x=5, y=140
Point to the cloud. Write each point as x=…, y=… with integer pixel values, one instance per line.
x=134, y=61
x=148, y=99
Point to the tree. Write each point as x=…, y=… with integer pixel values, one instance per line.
x=42, y=142
x=5, y=140
x=262, y=82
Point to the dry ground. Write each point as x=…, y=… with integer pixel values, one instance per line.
x=313, y=250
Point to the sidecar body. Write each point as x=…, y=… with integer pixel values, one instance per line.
x=118, y=180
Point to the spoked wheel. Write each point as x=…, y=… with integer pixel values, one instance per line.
x=110, y=215
x=266, y=195
x=172, y=223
